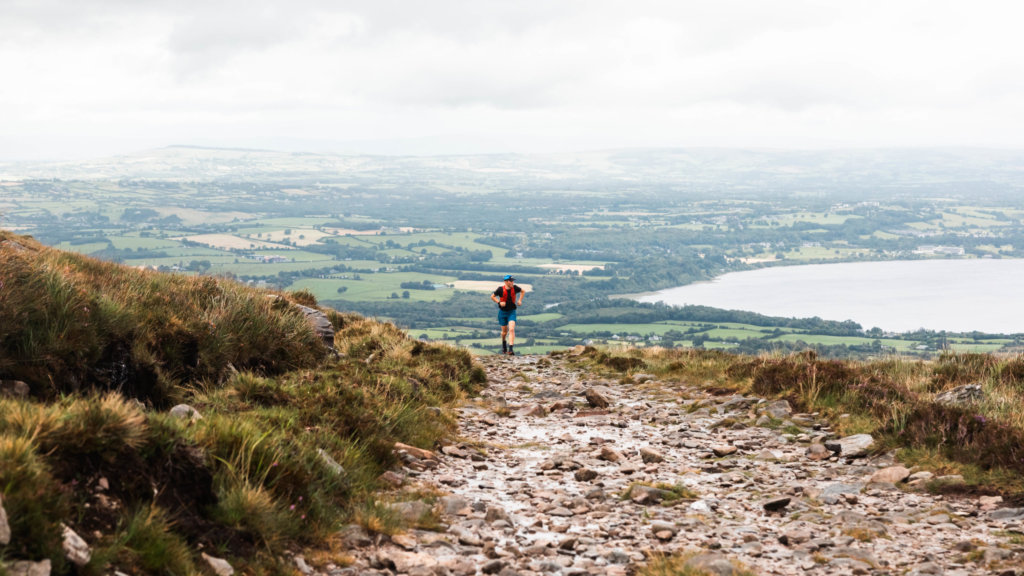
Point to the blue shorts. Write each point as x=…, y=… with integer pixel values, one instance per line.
x=506, y=316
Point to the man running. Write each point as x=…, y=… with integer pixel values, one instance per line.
x=508, y=297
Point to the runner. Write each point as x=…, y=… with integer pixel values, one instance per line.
x=508, y=297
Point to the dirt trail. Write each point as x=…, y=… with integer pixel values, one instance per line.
x=549, y=480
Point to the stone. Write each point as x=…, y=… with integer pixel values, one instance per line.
x=650, y=455
x=779, y=409
x=219, y=566
x=14, y=389
x=404, y=561
x=455, y=451
x=5, y=527
x=531, y=410
x=776, y=504
x=795, y=536
x=598, y=396
x=1007, y=514
x=410, y=512
x=76, y=550
x=451, y=480
x=855, y=446
x=495, y=513
x=27, y=568
x=960, y=395
x=666, y=529
x=493, y=567
x=354, y=536
x=405, y=541
x=453, y=504
x=186, y=412
x=300, y=564
x=721, y=450
x=987, y=503
x=321, y=324
x=391, y=479
x=647, y=494
x=817, y=452
x=418, y=453
x=561, y=405
x=610, y=454
x=892, y=474
x=331, y=463
x=585, y=475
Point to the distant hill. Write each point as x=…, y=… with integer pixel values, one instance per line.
x=736, y=168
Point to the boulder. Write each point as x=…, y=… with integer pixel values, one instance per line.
x=855, y=446
x=320, y=323
x=598, y=396
x=779, y=410
x=960, y=395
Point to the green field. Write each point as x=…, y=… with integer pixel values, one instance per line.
x=655, y=233
x=373, y=287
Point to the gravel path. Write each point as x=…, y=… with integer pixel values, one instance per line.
x=561, y=473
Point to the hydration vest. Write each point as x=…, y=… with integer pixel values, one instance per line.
x=508, y=295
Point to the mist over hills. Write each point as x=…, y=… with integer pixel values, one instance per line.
x=750, y=170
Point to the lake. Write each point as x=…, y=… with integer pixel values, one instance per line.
x=899, y=296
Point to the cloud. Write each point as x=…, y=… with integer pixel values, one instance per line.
x=589, y=72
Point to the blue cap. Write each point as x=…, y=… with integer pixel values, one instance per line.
x=509, y=277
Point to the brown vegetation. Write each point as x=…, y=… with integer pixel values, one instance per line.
x=105, y=349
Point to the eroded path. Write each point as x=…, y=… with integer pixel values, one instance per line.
x=548, y=480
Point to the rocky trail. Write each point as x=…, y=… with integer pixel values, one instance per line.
x=562, y=473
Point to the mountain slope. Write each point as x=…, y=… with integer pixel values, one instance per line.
x=282, y=438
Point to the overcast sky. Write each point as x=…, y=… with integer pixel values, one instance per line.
x=96, y=77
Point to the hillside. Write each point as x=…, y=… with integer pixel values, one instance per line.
x=156, y=416
x=154, y=424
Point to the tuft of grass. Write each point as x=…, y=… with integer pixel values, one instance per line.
x=669, y=493
x=862, y=534
x=304, y=297
x=96, y=424
x=149, y=544
x=253, y=510
x=377, y=518
x=685, y=565
x=956, y=368
x=33, y=500
x=1014, y=538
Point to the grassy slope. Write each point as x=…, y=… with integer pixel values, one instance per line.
x=105, y=349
